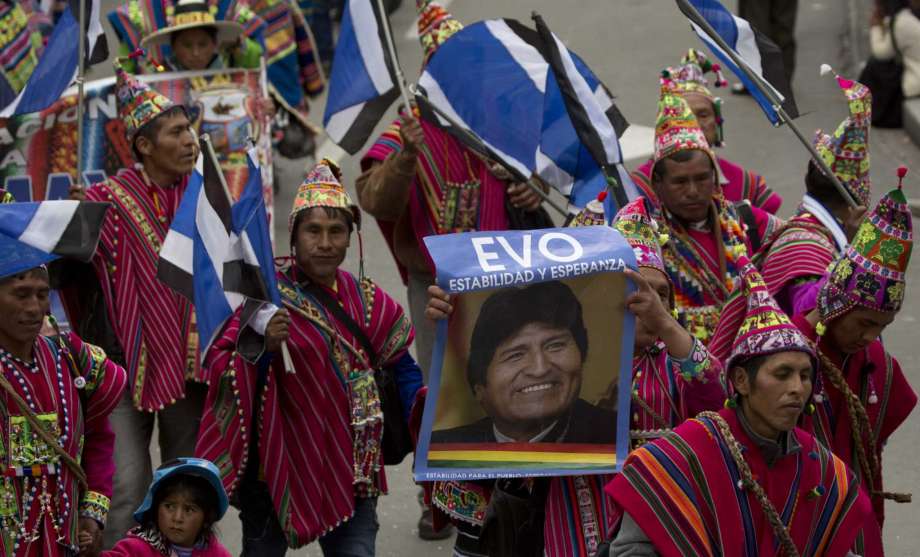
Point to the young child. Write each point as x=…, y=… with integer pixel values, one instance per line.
x=178, y=514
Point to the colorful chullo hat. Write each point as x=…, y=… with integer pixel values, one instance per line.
x=138, y=104
x=690, y=78
x=871, y=272
x=635, y=223
x=323, y=188
x=847, y=151
x=435, y=25
x=592, y=214
x=677, y=128
x=762, y=327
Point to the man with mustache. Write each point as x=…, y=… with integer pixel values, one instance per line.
x=139, y=321
x=863, y=395
x=745, y=480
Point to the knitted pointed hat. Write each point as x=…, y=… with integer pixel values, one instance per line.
x=847, y=151
x=762, y=327
x=138, y=104
x=871, y=272
x=323, y=188
x=592, y=214
x=676, y=128
x=690, y=78
x=435, y=25
x=640, y=230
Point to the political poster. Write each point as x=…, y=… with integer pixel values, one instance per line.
x=38, y=151
x=532, y=372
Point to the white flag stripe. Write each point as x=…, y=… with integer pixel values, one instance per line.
x=179, y=250
x=599, y=120
x=48, y=224
x=368, y=37
x=436, y=97
x=549, y=171
x=750, y=57
x=340, y=122
x=213, y=234
x=94, y=29
x=524, y=54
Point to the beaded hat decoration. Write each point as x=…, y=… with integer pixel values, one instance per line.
x=635, y=223
x=592, y=214
x=847, y=151
x=676, y=128
x=690, y=78
x=871, y=272
x=137, y=102
x=435, y=25
x=323, y=188
x=764, y=328
x=189, y=14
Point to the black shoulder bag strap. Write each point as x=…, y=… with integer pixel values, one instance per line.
x=333, y=306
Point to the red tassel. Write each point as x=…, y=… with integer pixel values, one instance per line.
x=902, y=172
x=602, y=196
x=138, y=52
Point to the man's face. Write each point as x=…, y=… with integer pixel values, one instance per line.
x=776, y=397
x=646, y=337
x=705, y=115
x=173, y=151
x=321, y=243
x=534, y=378
x=856, y=329
x=194, y=48
x=23, y=305
x=686, y=188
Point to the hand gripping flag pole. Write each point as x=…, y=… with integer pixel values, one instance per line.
x=687, y=7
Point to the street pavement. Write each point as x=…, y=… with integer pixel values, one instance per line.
x=627, y=43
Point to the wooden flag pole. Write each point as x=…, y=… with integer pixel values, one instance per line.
x=767, y=89
x=391, y=47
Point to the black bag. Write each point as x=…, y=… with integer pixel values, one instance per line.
x=513, y=524
x=883, y=78
x=397, y=440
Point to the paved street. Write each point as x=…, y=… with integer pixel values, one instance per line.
x=627, y=42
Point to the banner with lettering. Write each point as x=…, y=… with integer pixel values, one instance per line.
x=531, y=375
x=38, y=151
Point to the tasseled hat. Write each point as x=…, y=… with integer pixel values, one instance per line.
x=847, y=151
x=871, y=272
x=182, y=15
x=676, y=128
x=138, y=103
x=435, y=25
x=762, y=327
x=323, y=188
x=690, y=78
x=635, y=223
x=592, y=214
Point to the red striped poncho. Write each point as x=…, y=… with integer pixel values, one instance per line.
x=89, y=439
x=453, y=189
x=153, y=324
x=740, y=184
x=305, y=436
x=682, y=491
x=872, y=371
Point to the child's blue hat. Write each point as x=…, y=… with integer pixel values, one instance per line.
x=191, y=466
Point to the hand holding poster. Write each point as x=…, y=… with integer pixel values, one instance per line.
x=532, y=373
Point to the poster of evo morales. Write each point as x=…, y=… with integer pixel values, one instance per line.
x=532, y=372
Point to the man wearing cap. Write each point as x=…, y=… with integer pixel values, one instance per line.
x=745, y=480
x=55, y=441
x=824, y=223
x=673, y=379
x=706, y=237
x=738, y=184
x=301, y=450
x=861, y=395
x=136, y=318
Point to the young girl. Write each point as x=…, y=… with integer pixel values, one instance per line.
x=178, y=514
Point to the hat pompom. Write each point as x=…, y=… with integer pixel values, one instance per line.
x=137, y=53
x=602, y=196
x=826, y=69
x=902, y=172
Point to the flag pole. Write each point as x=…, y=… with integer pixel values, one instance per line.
x=767, y=89
x=391, y=46
x=81, y=71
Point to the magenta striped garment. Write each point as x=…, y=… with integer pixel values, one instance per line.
x=804, y=249
x=305, y=433
x=153, y=324
x=50, y=390
x=453, y=189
